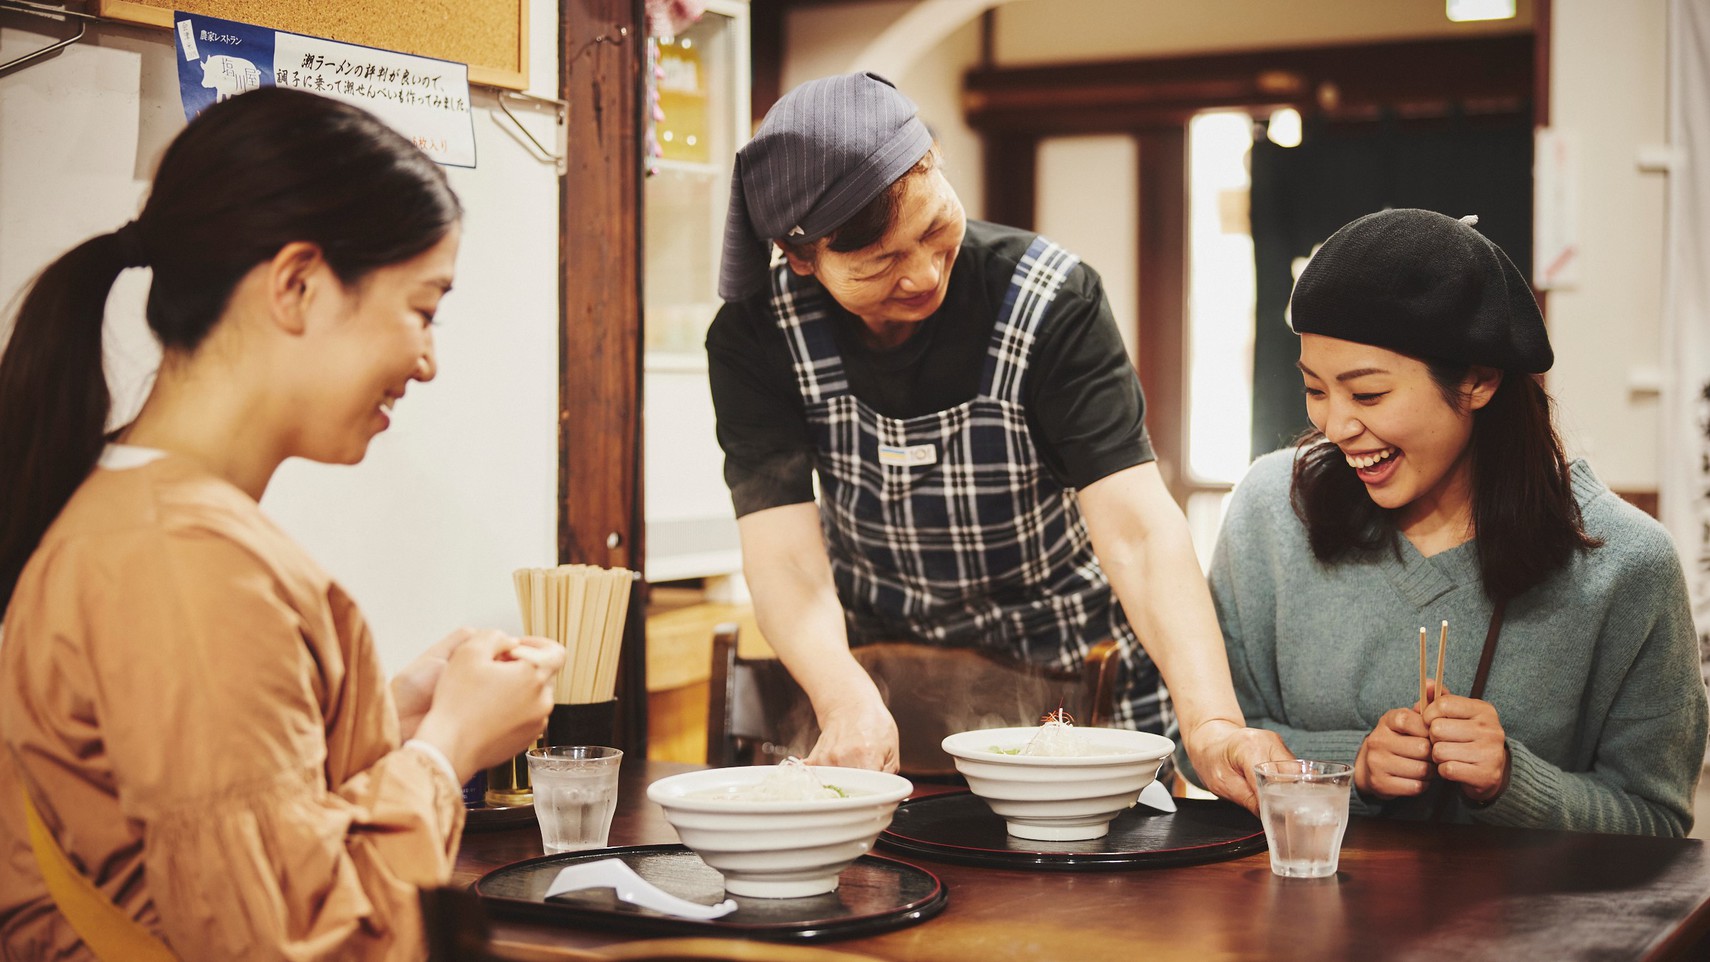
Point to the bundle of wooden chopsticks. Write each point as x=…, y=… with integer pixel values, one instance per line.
x=1425, y=697
x=582, y=607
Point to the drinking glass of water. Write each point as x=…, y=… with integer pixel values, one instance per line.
x=575, y=792
x=1304, y=805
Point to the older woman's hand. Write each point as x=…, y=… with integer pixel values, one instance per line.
x=1224, y=755
x=858, y=732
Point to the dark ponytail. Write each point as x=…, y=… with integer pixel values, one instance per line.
x=53, y=397
x=245, y=178
x=1524, y=514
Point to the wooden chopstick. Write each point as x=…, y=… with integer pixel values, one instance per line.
x=1442, y=643
x=611, y=634
x=1422, y=668
x=582, y=607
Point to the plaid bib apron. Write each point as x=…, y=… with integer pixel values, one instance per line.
x=946, y=528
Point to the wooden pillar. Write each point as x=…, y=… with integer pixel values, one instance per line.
x=1541, y=46
x=601, y=57
x=1163, y=297
x=1011, y=164
x=766, y=55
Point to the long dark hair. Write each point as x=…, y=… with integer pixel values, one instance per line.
x=245, y=178
x=1525, y=518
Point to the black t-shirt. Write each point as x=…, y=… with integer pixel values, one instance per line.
x=1083, y=399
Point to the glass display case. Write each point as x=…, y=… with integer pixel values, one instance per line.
x=703, y=97
x=703, y=87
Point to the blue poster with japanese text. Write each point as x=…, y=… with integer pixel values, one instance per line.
x=425, y=99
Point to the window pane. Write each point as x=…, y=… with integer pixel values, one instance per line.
x=1221, y=294
x=1205, y=511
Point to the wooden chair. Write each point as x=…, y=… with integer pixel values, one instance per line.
x=757, y=714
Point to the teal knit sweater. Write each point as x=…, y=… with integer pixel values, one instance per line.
x=1595, y=679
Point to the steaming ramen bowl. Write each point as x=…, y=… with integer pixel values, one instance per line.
x=778, y=848
x=1058, y=798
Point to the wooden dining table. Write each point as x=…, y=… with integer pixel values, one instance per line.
x=1404, y=891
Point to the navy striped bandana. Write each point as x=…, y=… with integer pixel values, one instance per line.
x=824, y=151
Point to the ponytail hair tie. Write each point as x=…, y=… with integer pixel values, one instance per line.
x=130, y=242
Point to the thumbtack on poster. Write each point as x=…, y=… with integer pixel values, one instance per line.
x=425, y=99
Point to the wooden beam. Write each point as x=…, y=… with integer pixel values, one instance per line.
x=1474, y=75
x=601, y=57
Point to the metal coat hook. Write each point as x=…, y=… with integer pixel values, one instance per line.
x=51, y=13
x=617, y=36
x=559, y=157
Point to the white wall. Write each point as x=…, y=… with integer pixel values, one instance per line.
x=1608, y=89
x=462, y=489
x=1076, y=212
x=1607, y=85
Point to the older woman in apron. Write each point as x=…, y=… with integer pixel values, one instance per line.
x=962, y=394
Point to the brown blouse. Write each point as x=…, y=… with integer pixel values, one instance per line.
x=201, y=717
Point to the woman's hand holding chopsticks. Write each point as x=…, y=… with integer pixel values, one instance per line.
x=412, y=688
x=1443, y=734
x=1468, y=744
x=492, y=699
x=1395, y=759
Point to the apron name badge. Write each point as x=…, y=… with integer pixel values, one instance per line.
x=909, y=456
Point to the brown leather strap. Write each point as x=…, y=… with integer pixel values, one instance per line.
x=1489, y=651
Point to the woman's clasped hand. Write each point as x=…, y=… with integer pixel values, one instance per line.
x=1455, y=738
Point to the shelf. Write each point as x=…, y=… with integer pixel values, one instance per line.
x=688, y=167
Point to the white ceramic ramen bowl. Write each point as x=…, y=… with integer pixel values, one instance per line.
x=779, y=849
x=1058, y=798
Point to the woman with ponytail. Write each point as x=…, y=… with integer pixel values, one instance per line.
x=201, y=759
x=1435, y=489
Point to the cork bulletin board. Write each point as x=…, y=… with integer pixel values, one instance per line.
x=491, y=36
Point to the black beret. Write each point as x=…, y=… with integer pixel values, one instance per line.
x=1422, y=284
x=824, y=151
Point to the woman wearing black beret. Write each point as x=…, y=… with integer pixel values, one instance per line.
x=1435, y=489
x=962, y=393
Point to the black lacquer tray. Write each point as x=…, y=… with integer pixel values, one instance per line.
x=875, y=894
x=958, y=827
